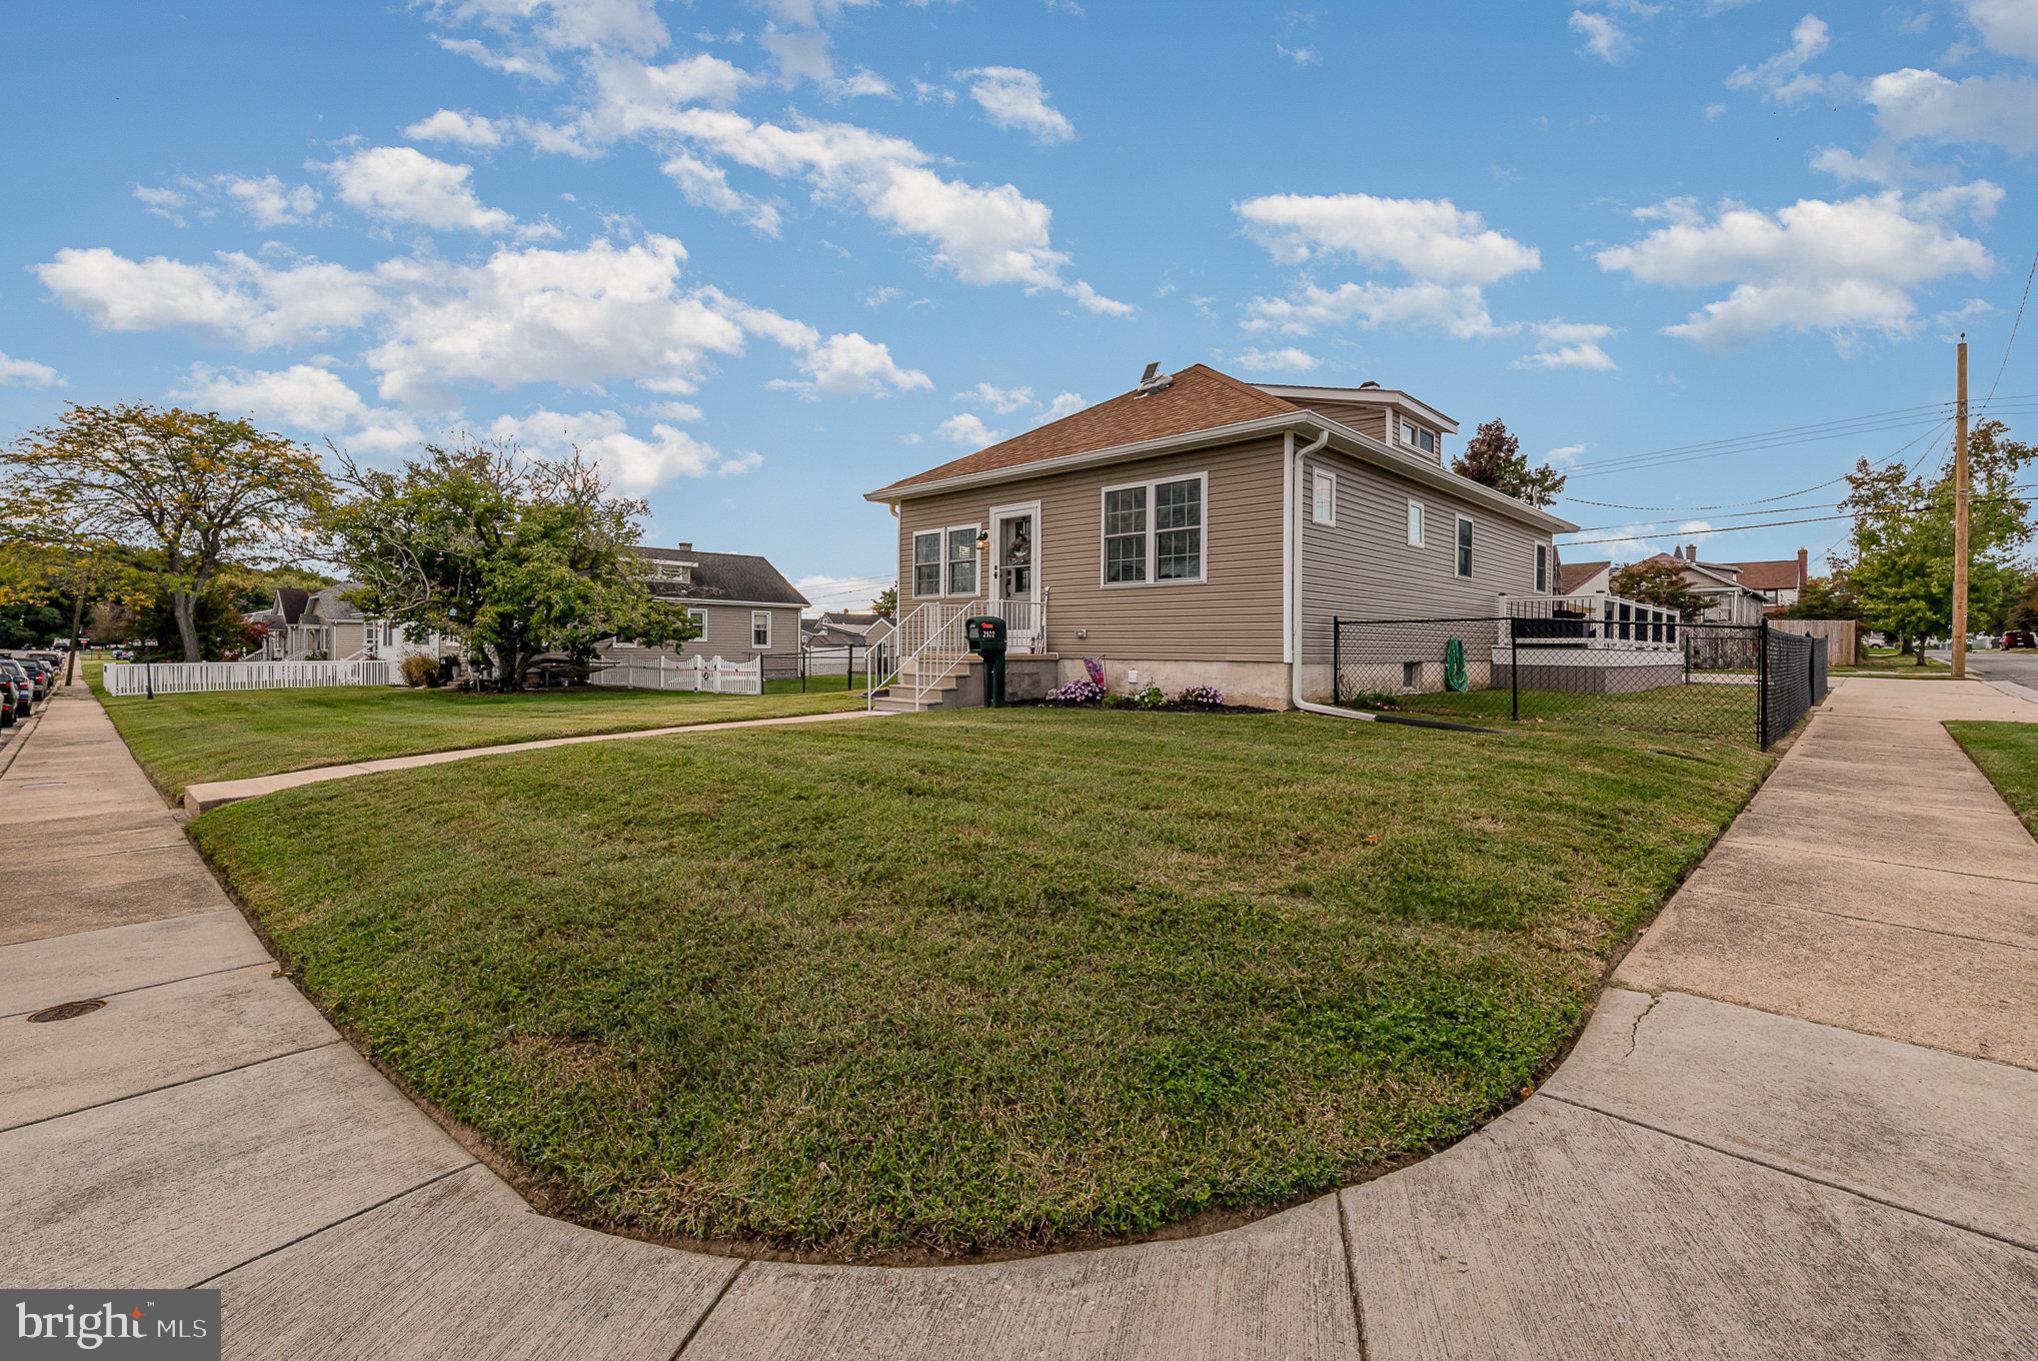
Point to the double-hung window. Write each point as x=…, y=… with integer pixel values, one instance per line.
x=927, y=563
x=1542, y=568
x=1323, y=496
x=760, y=628
x=1153, y=532
x=1464, y=547
x=962, y=560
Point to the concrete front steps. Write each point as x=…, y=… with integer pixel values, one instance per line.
x=962, y=688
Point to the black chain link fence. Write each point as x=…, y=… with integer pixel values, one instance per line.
x=1647, y=672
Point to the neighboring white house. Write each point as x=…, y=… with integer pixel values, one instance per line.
x=1727, y=600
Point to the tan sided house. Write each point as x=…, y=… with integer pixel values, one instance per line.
x=1200, y=530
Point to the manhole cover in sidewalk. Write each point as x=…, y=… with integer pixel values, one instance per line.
x=68, y=1011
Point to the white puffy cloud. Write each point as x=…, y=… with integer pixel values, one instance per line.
x=1064, y=404
x=1430, y=239
x=302, y=397
x=235, y=295
x=983, y=234
x=1782, y=77
x=26, y=373
x=573, y=317
x=2002, y=110
x=707, y=186
x=1602, y=35
x=1568, y=345
x=968, y=429
x=1288, y=359
x=266, y=202
x=634, y=464
x=453, y=125
x=2007, y=26
x=1001, y=400
x=851, y=366
x=631, y=97
x=1840, y=267
x=402, y=184
x=1013, y=97
x=1459, y=311
x=567, y=25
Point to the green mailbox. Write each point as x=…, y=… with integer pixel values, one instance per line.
x=985, y=634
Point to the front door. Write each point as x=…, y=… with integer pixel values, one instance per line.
x=1015, y=578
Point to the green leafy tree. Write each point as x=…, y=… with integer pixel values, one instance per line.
x=1659, y=584
x=1493, y=456
x=516, y=557
x=887, y=602
x=191, y=490
x=1826, y=598
x=1903, y=540
x=2023, y=611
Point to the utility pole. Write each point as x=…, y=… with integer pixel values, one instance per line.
x=1960, y=512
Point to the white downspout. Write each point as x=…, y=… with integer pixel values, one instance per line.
x=1292, y=477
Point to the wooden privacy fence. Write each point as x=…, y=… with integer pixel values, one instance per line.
x=1843, y=636
x=185, y=678
x=710, y=674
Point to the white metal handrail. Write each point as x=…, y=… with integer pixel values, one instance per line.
x=927, y=646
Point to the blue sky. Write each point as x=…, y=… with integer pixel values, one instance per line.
x=764, y=257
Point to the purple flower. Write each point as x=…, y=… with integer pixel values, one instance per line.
x=1096, y=670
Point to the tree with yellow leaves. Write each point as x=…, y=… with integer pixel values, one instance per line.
x=190, y=490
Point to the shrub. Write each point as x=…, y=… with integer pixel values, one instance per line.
x=419, y=670
x=1201, y=697
x=1076, y=692
x=1150, y=698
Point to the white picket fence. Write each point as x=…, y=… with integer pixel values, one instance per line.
x=710, y=674
x=184, y=678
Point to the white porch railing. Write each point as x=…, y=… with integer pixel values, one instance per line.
x=1025, y=622
x=1598, y=620
x=710, y=675
x=926, y=648
x=183, y=678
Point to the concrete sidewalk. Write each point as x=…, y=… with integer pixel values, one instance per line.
x=1803, y=1125
x=199, y=798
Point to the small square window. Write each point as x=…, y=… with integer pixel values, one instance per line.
x=1429, y=442
x=1407, y=433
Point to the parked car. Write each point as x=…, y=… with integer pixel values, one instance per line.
x=9, y=694
x=123, y=654
x=2020, y=638
x=40, y=677
x=24, y=697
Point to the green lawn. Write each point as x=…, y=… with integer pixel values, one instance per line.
x=2008, y=754
x=186, y=739
x=974, y=980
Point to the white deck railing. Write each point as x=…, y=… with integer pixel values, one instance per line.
x=1598, y=620
x=710, y=675
x=184, y=678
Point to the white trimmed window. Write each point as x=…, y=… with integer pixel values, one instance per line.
x=1408, y=433
x=927, y=562
x=962, y=560
x=1542, y=568
x=1415, y=524
x=1153, y=532
x=1464, y=547
x=1323, y=496
x=1428, y=440
x=760, y=628
x=700, y=623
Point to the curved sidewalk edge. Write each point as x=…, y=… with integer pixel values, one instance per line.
x=200, y=798
x=1704, y=1176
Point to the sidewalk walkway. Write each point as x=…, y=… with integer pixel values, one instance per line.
x=199, y=798
x=1800, y=1125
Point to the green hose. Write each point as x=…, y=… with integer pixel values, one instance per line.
x=1454, y=667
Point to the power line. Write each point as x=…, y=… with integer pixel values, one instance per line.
x=1763, y=500
x=1808, y=520
x=2011, y=343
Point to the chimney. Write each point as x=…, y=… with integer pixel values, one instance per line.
x=682, y=548
x=1691, y=552
x=1803, y=575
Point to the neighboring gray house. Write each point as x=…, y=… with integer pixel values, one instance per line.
x=1201, y=530
x=325, y=624
x=744, y=605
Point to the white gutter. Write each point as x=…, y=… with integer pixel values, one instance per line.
x=1291, y=586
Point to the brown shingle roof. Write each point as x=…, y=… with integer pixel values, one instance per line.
x=1774, y=575
x=1199, y=398
x=1572, y=575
